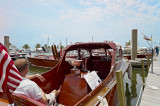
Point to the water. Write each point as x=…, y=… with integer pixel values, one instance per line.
x=132, y=87
x=37, y=70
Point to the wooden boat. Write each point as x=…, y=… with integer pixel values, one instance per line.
x=104, y=58
x=43, y=61
x=15, y=56
x=141, y=53
x=128, y=56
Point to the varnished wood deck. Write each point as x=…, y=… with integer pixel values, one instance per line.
x=151, y=97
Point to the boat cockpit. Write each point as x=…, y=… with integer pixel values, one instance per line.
x=83, y=61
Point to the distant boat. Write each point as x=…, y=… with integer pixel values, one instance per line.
x=17, y=55
x=128, y=56
x=142, y=52
x=44, y=61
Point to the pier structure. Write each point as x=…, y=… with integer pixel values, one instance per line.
x=6, y=42
x=134, y=44
x=137, y=63
x=150, y=95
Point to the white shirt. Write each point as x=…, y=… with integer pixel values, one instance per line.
x=29, y=89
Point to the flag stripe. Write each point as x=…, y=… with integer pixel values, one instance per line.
x=11, y=90
x=15, y=71
x=6, y=67
x=11, y=85
x=2, y=53
x=4, y=63
x=1, y=63
x=13, y=80
x=15, y=77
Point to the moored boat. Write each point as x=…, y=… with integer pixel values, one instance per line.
x=128, y=56
x=104, y=58
x=16, y=55
x=44, y=61
x=142, y=52
x=100, y=59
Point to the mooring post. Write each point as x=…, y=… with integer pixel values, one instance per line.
x=134, y=44
x=152, y=61
x=148, y=62
x=6, y=42
x=120, y=88
x=143, y=73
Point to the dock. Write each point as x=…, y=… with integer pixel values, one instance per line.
x=151, y=93
x=137, y=63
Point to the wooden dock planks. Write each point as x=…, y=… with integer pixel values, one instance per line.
x=151, y=97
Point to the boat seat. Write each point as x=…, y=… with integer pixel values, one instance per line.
x=103, y=67
x=22, y=100
x=73, y=89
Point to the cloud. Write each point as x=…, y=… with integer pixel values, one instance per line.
x=79, y=20
x=4, y=19
x=47, y=3
x=86, y=2
x=129, y=11
x=110, y=19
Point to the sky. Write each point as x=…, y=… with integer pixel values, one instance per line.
x=33, y=21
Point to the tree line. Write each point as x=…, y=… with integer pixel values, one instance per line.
x=26, y=46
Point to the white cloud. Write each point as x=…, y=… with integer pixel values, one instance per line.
x=111, y=18
x=113, y=10
x=4, y=19
x=46, y=3
x=103, y=19
x=86, y=2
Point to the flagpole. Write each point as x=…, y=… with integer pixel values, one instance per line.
x=10, y=100
x=151, y=42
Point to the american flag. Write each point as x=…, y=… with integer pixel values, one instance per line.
x=9, y=75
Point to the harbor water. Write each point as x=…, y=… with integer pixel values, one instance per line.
x=132, y=86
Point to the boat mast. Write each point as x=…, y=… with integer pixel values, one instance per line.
x=66, y=41
x=47, y=43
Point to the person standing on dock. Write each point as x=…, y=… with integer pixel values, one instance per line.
x=157, y=50
x=29, y=53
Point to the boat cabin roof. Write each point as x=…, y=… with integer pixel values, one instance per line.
x=91, y=45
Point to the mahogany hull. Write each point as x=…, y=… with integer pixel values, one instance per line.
x=40, y=62
x=75, y=91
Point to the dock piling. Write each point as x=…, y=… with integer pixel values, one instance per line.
x=120, y=88
x=134, y=44
x=148, y=62
x=152, y=61
x=143, y=73
x=6, y=42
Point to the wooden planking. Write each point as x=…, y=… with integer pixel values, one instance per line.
x=151, y=97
